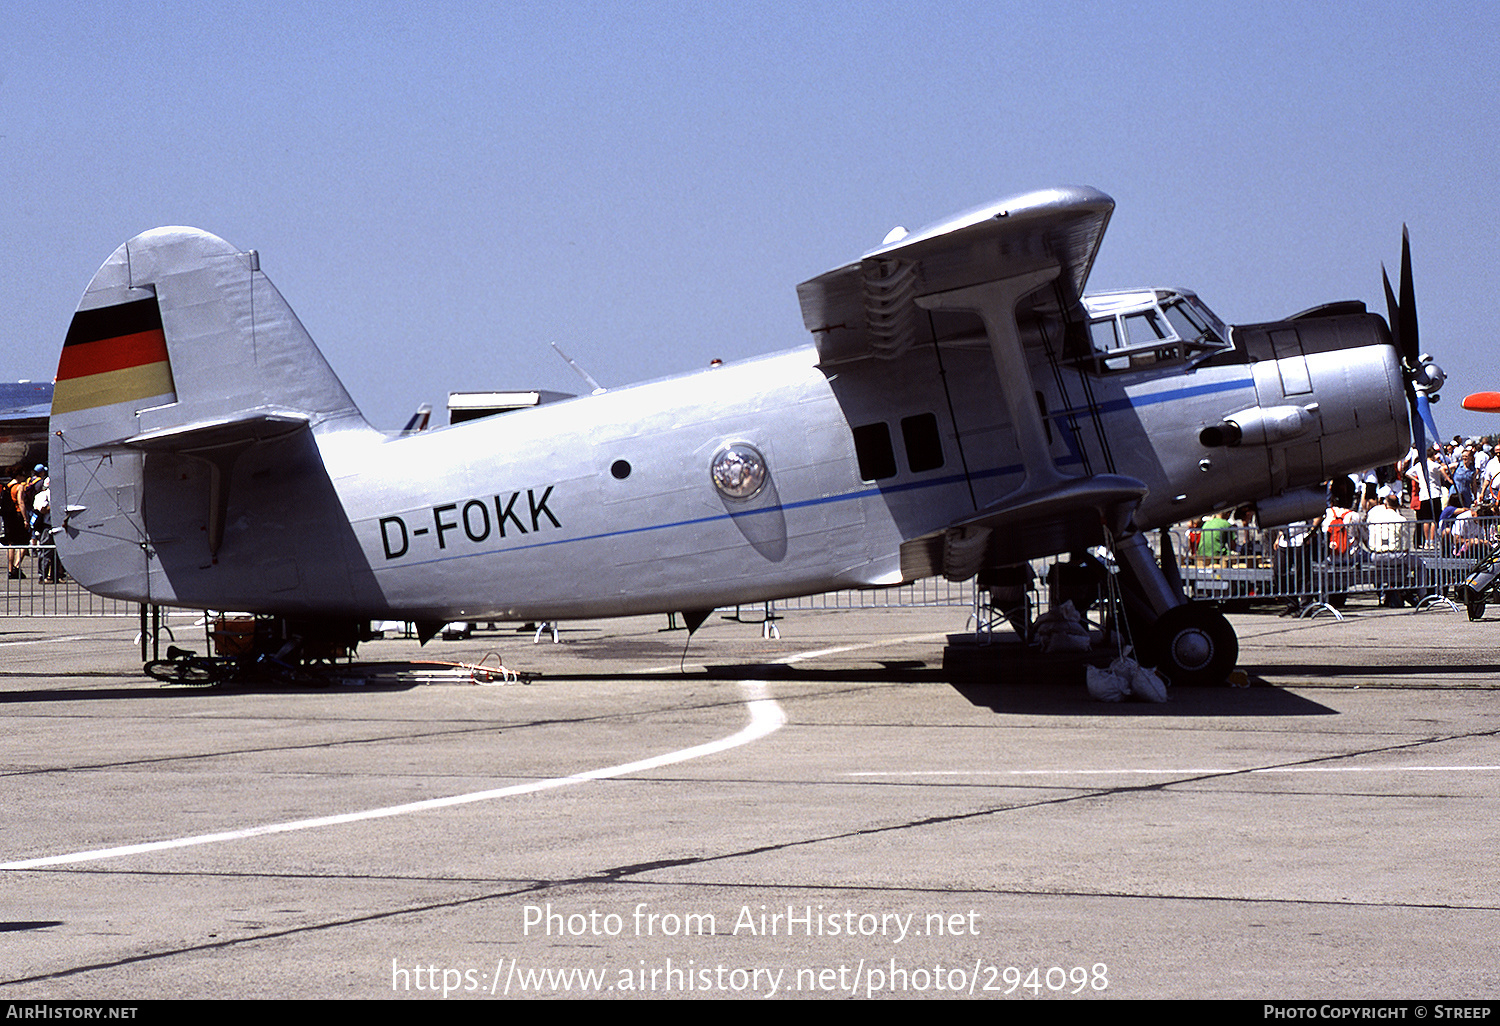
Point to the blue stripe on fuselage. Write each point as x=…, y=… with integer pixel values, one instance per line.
x=1164, y=396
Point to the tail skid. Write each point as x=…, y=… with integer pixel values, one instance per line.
x=181, y=361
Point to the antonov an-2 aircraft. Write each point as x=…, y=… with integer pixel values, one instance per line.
x=964, y=407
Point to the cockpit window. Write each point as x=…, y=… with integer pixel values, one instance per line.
x=1139, y=329
x=1189, y=323
x=1103, y=334
x=1143, y=328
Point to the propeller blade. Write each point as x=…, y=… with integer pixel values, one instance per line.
x=1485, y=402
x=1424, y=408
x=1411, y=347
x=1419, y=415
x=1402, y=316
x=1392, y=312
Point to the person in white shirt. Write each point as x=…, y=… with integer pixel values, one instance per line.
x=1389, y=532
x=1429, y=478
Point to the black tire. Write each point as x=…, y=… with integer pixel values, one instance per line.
x=1193, y=645
x=1476, y=609
x=191, y=670
x=198, y=671
x=162, y=669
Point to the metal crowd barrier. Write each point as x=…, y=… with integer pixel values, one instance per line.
x=31, y=595
x=1407, y=562
x=35, y=595
x=930, y=591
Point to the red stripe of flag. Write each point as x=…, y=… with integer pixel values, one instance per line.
x=110, y=354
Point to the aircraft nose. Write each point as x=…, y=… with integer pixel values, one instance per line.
x=1428, y=375
x=1330, y=392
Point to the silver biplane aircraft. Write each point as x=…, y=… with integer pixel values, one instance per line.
x=964, y=407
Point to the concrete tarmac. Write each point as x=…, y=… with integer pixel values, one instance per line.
x=820, y=815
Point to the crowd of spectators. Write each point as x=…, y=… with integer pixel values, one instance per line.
x=1441, y=503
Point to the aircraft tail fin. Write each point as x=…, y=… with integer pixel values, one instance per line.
x=179, y=328
x=181, y=350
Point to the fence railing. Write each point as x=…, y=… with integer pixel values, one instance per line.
x=1403, y=560
x=930, y=591
x=42, y=591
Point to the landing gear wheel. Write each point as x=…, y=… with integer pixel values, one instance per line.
x=1193, y=645
x=1476, y=609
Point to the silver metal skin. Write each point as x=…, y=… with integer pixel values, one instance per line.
x=227, y=468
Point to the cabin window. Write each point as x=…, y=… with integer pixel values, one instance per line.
x=1148, y=340
x=872, y=447
x=924, y=447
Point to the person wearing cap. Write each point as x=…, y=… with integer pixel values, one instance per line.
x=48, y=568
x=1428, y=479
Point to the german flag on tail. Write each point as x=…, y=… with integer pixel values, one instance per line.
x=115, y=354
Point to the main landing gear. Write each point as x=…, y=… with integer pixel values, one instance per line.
x=1189, y=643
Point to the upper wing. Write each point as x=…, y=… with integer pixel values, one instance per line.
x=868, y=308
x=984, y=263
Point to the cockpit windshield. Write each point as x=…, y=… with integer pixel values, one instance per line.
x=1145, y=328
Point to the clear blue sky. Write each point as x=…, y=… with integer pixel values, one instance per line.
x=440, y=190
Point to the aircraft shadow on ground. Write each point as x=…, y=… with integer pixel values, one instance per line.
x=149, y=688
x=1058, y=690
x=1070, y=698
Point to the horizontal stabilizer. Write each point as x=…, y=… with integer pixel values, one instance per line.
x=226, y=433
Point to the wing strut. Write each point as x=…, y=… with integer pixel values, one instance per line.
x=1050, y=511
x=995, y=302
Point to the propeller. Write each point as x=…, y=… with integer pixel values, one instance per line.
x=1423, y=376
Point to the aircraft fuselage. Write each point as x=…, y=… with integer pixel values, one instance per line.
x=502, y=518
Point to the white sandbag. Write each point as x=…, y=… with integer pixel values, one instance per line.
x=1106, y=685
x=1123, y=678
x=1061, y=629
x=1144, y=683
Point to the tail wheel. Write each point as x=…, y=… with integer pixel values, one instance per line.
x=1476, y=609
x=1193, y=645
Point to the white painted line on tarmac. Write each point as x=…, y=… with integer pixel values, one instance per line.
x=801, y=656
x=766, y=717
